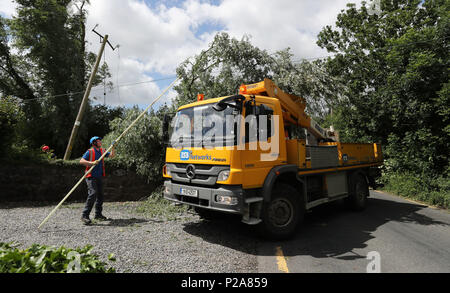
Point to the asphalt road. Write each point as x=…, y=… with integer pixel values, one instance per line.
x=391, y=235
x=397, y=235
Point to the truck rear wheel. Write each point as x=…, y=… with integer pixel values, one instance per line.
x=358, y=192
x=282, y=214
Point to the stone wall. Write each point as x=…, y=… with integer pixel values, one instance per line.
x=51, y=182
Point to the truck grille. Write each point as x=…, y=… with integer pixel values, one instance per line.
x=204, y=174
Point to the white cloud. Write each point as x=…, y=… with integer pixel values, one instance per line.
x=152, y=44
x=155, y=38
x=132, y=87
x=7, y=8
x=275, y=25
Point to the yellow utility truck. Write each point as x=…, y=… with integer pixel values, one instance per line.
x=259, y=155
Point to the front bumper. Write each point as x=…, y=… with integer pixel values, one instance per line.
x=207, y=196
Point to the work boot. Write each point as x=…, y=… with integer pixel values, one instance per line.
x=100, y=218
x=86, y=220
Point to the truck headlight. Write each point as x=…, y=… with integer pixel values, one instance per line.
x=225, y=199
x=223, y=175
x=166, y=171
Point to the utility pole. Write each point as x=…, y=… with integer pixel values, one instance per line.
x=77, y=123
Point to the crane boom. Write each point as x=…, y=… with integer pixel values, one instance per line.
x=293, y=107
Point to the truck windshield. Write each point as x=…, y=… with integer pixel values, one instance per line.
x=202, y=126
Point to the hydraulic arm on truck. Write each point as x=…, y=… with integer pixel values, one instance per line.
x=293, y=108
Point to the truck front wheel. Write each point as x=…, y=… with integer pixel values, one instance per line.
x=282, y=214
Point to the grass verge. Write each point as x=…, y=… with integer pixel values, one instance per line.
x=433, y=191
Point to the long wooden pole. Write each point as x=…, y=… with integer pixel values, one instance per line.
x=77, y=123
x=104, y=154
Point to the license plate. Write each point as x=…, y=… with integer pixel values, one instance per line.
x=189, y=192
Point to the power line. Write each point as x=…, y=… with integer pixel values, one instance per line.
x=294, y=61
x=99, y=88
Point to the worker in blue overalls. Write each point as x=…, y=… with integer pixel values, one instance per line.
x=94, y=179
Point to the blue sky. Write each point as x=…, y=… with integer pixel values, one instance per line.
x=157, y=35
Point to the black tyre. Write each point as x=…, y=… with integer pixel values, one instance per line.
x=282, y=214
x=358, y=192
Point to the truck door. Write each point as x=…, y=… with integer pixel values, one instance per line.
x=261, y=142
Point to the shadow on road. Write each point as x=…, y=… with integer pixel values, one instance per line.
x=328, y=231
x=120, y=222
x=109, y=223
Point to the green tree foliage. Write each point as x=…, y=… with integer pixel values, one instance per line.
x=435, y=191
x=392, y=60
x=10, y=116
x=47, y=66
x=14, y=78
x=49, y=259
x=228, y=63
x=219, y=70
x=99, y=121
x=309, y=80
x=142, y=148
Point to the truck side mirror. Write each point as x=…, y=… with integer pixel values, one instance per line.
x=219, y=107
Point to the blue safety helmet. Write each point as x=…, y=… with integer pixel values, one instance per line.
x=94, y=138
